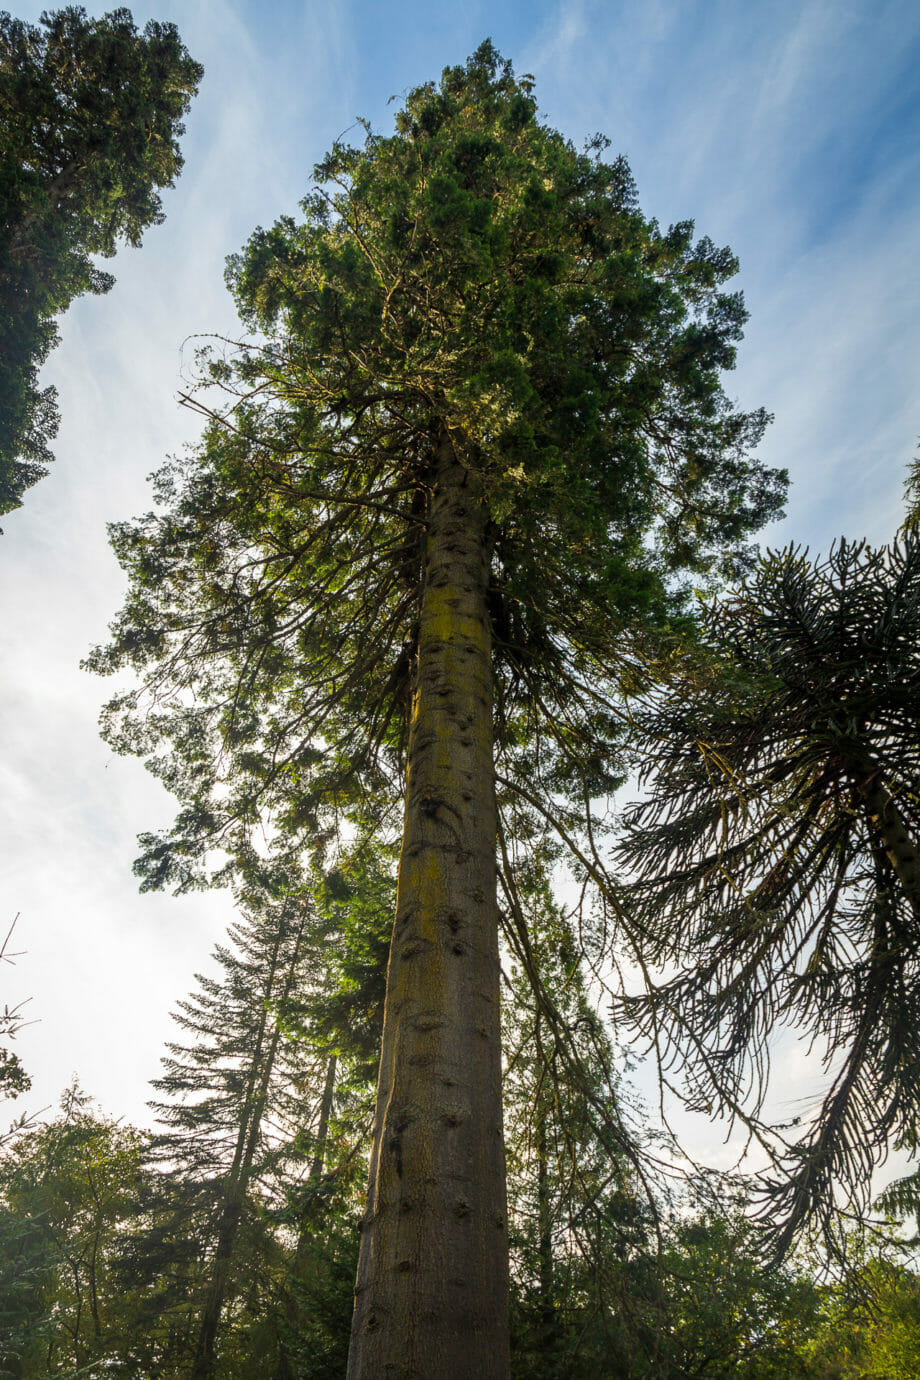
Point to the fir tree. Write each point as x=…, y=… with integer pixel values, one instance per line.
x=233, y=1101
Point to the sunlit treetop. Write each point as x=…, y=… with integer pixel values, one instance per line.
x=471, y=280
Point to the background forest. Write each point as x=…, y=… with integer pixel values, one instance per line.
x=764, y=893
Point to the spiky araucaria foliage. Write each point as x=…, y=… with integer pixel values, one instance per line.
x=776, y=859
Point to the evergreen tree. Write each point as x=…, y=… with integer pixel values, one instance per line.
x=90, y=116
x=343, y=1013
x=27, y=1271
x=777, y=860
x=231, y=1103
x=460, y=475
x=14, y=1079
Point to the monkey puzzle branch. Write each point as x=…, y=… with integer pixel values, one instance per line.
x=897, y=841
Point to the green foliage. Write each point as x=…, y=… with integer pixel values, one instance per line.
x=867, y=1326
x=90, y=116
x=355, y=899
x=776, y=859
x=611, y=1276
x=317, y=1301
x=13, y=1077
x=246, y=1229
x=725, y=1316
x=470, y=275
x=67, y=1191
x=232, y=1103
x=27, y=1275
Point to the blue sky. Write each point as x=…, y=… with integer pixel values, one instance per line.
x=790, y=131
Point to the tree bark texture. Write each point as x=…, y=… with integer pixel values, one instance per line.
x=431, y=1299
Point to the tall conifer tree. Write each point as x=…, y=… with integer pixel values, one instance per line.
x=457, y=481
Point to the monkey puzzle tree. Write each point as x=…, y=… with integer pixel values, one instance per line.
x=777, y=858
x=481, y=427
x=90, y=116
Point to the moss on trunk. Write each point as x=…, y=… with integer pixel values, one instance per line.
x=431, y=1295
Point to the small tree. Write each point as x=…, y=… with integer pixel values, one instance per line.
x=67, y=1194
x=90, y=117
x=14, y=1079
x=777, y=858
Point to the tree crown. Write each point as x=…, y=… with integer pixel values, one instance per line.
x=469, y=280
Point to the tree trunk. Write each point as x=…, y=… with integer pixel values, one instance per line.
x=431, y=1295
x=547, y=1312
x=322, y=1130
x=205, y=1361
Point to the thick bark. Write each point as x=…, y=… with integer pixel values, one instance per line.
x=431, y=1294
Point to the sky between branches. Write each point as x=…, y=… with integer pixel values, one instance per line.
x=789, y=129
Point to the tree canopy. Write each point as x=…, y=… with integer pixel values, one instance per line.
x=90, y=118
x=473, y=277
